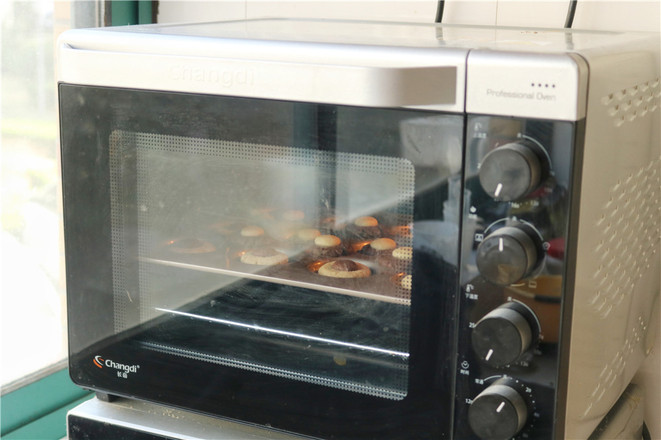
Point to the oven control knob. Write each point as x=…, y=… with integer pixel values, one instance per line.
x=498, y=412
x=513, y=171
x=504, y=334
x=509, y=254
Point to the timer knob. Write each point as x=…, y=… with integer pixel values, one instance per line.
x=514, y=170
x=509, y=254
x=498, y=412
x=504, y=334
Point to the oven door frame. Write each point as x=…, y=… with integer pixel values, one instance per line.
x=278, y=402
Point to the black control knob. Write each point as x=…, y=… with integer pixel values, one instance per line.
x=513, y=171
x=509, y=254
x=499, y=412
x=504, y=334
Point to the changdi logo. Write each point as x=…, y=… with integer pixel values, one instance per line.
x=98, y=361
x=123, y=370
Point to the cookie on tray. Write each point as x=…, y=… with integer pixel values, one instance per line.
x=191, y=246
x=379, y=246
x=398, y=259
x=344, y=269
x=364, y=228
x=264, y=257
x=327, y=246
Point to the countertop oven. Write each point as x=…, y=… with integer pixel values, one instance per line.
x=362, y=230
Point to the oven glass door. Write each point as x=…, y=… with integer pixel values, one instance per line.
x=291, y=264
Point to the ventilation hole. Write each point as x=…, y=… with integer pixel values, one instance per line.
x=623, y=252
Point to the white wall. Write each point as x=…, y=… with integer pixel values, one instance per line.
x=590, y=14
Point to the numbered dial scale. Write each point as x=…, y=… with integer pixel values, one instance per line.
x=503, y=409
x=516, y=186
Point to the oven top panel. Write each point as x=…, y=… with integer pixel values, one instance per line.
x=367, y=64
x=232, y=62
x=374, y=33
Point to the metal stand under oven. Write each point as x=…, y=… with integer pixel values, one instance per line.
x=136, y=420
x=128, y=419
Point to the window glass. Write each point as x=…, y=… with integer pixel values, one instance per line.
x=32, y=289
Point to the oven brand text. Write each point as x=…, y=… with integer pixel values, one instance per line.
x=538, y=96
x=225, y=78
x=123, y=370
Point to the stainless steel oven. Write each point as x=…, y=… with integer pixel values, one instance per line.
x=362, y=230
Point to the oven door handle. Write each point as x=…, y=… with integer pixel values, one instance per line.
x=360, y=85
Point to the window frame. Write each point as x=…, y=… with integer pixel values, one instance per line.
x=36, y=405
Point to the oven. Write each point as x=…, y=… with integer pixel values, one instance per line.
x=362, y=230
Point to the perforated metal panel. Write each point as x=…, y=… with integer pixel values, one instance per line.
x=629, y=226
x=619, y=237
x=633, y=102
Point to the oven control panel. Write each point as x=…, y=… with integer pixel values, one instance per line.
x=516, y=212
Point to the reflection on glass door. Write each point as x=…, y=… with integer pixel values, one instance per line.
x=283, y=260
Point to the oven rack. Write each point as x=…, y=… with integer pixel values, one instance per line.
x=296, y=277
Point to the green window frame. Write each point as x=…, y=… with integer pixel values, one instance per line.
x=38, y=410
x=126, y=12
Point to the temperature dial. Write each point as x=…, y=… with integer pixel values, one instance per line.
x=509, y=254
x=504, y=334
x=498, y=412
x=513, y=171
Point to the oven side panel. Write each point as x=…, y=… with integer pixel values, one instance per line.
x=616, y=254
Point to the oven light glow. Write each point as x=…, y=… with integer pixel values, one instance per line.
x=357, y=247
x=286, y=333
x=315, y=265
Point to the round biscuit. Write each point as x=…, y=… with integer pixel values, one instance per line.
x=198, y=247
x=308, y=234
x=383, y=244
x=293, y=215
x=406, y=282
x=252, y=231
x=250, y=258
x=327, y=270
x=327, y=241
x=366, y=221
x=403, y=253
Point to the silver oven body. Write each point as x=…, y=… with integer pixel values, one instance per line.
x=538, y=151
